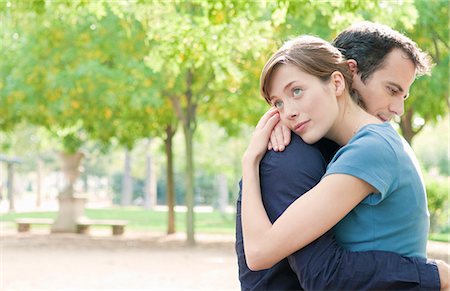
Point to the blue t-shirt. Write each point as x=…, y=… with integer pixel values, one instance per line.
x=396, y=218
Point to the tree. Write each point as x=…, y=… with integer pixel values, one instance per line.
x=88, y=72
x=169, y=125
x=86, y=80
x=429, y=98
x=123, y=71
x=191, y=44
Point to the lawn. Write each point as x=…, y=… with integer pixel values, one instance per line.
x=141, y=220
x=149, y=220
x=444, y=237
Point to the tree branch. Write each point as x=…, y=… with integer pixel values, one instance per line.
x=419, y=129
x=444, y=42
x=178, y=109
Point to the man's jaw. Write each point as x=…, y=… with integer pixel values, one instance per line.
x=387, y=117
x=384, y=117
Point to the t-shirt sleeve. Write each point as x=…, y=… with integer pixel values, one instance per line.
x=371, y=159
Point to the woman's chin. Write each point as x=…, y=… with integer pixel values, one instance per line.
x=309, y=139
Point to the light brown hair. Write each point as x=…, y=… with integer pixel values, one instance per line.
x=313, y=56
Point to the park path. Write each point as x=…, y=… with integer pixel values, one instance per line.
x=135, y=261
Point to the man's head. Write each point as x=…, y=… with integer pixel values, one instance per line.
x=384, y=63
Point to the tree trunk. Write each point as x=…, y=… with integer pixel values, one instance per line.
x=85, y=178
x=188, y=134
x=127, y=183
x=170, y=189
x=222, y=190
x=406, y=126
x=39, y=181
x=10, y=186
x=150, y=180
x=186, y=114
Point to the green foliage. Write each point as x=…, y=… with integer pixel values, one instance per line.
x=438, y=202
x=431, y=147
x=208, y=42
x=430, y=95
x=90, y=65
x=71, y=143
x=87, y=70
x=443, y=237
x=119, y=71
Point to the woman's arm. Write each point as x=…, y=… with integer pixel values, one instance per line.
x=305, y=220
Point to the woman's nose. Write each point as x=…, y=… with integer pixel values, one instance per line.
x=290, y=110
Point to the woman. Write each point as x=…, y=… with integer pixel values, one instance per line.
x=307, y=81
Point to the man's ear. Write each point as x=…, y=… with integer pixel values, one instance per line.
x=353, y=65
x=338, y=81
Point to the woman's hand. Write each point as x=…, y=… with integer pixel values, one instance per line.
x=261, y=134
x=279, y=138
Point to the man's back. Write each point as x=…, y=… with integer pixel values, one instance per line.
x=310, y=166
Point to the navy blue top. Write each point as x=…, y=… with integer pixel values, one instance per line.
x=323, y=264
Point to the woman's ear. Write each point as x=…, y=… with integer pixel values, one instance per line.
x=353, y=66
x=338, y=81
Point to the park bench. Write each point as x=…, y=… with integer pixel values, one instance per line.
x=118, y=226
x=24, y=224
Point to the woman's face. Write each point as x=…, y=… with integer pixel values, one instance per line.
x=307, y=105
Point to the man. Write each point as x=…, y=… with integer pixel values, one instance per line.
x=385, y=64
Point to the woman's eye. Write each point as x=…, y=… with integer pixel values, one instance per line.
x=278, y=104
x=297, y=92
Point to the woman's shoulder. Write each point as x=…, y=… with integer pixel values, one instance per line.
x=372, y=140
x=378, y=134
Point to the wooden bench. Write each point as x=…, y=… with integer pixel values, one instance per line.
x=24, y=224
x=118, y=226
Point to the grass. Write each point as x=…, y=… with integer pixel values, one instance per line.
x=144, y=220
x=443, y=237
x=148, y=220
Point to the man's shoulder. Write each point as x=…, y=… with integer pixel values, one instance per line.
x=296, y=154
x=297, y=144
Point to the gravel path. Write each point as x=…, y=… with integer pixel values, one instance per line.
x=136, y=261
x=75, y=262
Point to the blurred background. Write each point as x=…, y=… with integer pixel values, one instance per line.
x=155, y=102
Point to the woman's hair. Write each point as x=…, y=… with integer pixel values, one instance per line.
x=313, y=56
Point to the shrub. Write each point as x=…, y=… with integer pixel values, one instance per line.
x=438, y=202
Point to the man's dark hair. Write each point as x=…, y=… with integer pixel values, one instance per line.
x=368, y=44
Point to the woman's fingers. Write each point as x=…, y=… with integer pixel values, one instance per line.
x=276, y=137
x=260, y=137
x=286, y=134
x=273, y=120
x=265, y=118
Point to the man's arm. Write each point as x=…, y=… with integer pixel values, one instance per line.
x=324, y=264
x=279, y=277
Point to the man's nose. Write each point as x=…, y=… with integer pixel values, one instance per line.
x=397, y=106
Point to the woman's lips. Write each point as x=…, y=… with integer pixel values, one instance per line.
x=301, y=126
